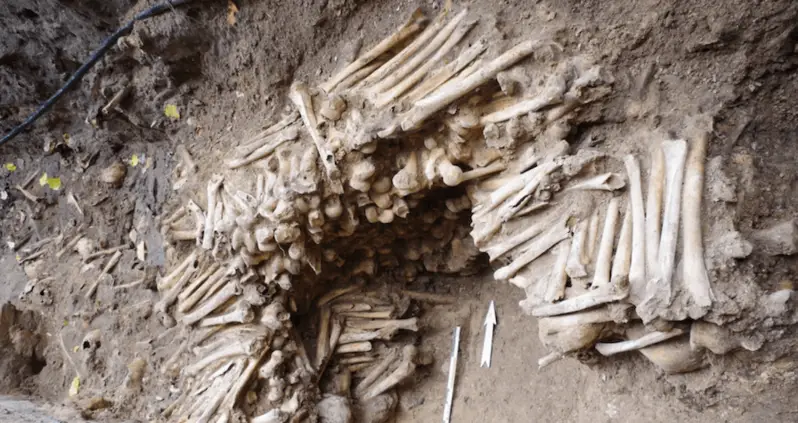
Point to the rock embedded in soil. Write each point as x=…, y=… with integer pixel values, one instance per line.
x=778, y=240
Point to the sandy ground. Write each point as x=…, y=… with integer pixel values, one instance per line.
x=733, y=59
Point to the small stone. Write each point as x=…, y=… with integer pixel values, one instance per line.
x=778, y=240
x=334, y=409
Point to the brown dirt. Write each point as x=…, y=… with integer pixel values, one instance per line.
x=733, y=60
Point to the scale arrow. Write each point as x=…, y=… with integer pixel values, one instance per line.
x=487, y=346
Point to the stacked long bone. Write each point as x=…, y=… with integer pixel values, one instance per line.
x=402, y=119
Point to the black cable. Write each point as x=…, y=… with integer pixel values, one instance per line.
x=78, y=75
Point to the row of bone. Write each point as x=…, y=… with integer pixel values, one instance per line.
x=641, y=271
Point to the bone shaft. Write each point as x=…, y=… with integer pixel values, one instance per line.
x=601, y=276
x=623, y=254
x=637, y=270
x=187, y=301
x=555, y=289
x=483, y=171
x=656, y=182
x=608, y=349
x=206, y=308
x=169, y=279
x=323, y=341
x=694, y=271
x=376, y=372
x=443, y=74
x=207, y=236
x=508, y=244
x=574, y=267
x=675, y=152
x=355, y=347
x=537, y=247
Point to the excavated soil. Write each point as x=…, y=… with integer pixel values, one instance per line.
x=734, y=61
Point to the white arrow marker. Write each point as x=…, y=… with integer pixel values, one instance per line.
x=487, y=345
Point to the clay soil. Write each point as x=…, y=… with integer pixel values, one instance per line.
x=734, y=60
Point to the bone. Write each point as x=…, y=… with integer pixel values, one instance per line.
x=168, y=281
x=597, y=315
x=575, y=267
x=443, y=74
x=623, y=253
x=637, y=270
x=335, y=293
x=241, y=313
x=602, y=295
x=555, y=285
x=533, y=250
x=592, y=235
x=262, y=137
x=375, y=373
x=233, y=349
x=552, y=94
x=402, y=33
x=360, y=76
x=406, y=180
x=170, y=296
x=675, y=154
x=269, y=368
x=718, y=339
x=273, y=142
x=199, y=220
x=300, y=96
x=601, y=276
x=694, y=272
x=405, y=369
x=108, y=267
x=430, y=297
x=401, y=83
x=355, y=347
x=213, y=190
x=514, y=241
x=228, y=291
x=604, y=182
x=458, y=87
x=323, y=339
x=656, y=182
x=272, y=416
x=608, y=349
x=382, y=314
x=198, y=288
x=234, y=392
x=549, y=359
x=410, y=324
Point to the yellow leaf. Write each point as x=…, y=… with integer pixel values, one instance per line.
x=232, y=11
x=18, y=257
x=75, y=348
x=10, y=167
x=53, y=183
x=43, y=179
x=75, y=387
x=170, y=110
x=134, y=160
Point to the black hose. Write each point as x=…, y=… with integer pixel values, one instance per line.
x=78, y=75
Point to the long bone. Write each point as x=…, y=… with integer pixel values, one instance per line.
x=213, y=190
x=323, y=341
x=443, y=74
x=555, y=285
x=603, y=182
x=241, y=313
x=355, y=347
x=575, y=267
x=262, y=137
x=623, y=253
x=534, y=249
x=408, y=81
x=612, y=348
x=168, y=281
x=551, y=94
x=602, y=295
x=508, y=244
x=601, y=276
x=170, y=296
x=393, y=64
x=228, y=291
x=199, y=220
x=234, y=392
x=274, y=141
x=656, y=182
x=300, y=96
x=239, y=347
x=410, y=324
x=454, y=176
x=694, y=272
x=637, y=270
x=406, y=30
x=375, y=373
x=194, y=292
x=406, y=368
x=675, y=153
x=458, y=87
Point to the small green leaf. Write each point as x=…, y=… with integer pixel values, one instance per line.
x=10, y=167
x=134, y=160
x=74, y=388
x=53, y=183
x=170, y=110
x=43, y=179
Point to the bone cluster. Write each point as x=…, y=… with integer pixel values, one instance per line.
x=377, y=170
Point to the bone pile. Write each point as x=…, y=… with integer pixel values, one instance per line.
x=340, y=187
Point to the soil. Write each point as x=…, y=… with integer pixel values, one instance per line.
x=733, y=61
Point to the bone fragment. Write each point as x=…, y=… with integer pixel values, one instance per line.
x=268, y=369
x=552, y=94
x=608, y=349
x=555, y=287
x=623, y=253
x=170, y=296
x=656, y=183
x=602, y=295
x=637, y=270
x=458, y=87
x=213, y=190
x=108, y=267
x=262, y=137
x=323, y=339
x=508, y=244
x=549, y=358
x=406, y=180
x=601, y=276
x=300, y=96
x=354, y=347
x=406, y=30
x=228, y=291
x=675, y=153
x=410, y=324
x=575, y=267
x=430, y=297
x=604, y=182
x=592, y=236
x=268, y=147
x=694, y=272
x=382, y=314
x=406, y=368
x=272, y=416
x=70, y=245
x=533, y=250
